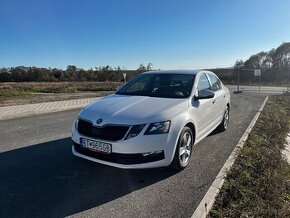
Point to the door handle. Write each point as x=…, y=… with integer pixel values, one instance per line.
x=213, y=101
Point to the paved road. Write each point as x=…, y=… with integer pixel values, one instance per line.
x=39, y=177
x=262, y=89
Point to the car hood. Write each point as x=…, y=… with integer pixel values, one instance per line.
x=131, y=110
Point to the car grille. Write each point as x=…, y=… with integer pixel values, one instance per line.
x=109, y=132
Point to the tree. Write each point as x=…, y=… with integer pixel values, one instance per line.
x=71, y=68
x=71, y=72
x=268, y=61
x=5, y=76
x=149, y=66
x=58, y=74
x=239, y=64
x=256, y=61
x=281, y=63
x=281, y=57
x=141, y=68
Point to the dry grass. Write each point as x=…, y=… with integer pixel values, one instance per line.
x=59, y=87
x=36, y=92
x=258, y=185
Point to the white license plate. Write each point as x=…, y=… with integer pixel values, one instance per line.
x=96, y=145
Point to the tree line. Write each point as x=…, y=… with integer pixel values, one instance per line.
x=275, y=65
x=71, y=73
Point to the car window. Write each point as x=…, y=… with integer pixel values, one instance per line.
x=203, y=83
x=138, y=85
x=160, y=85
x=215, y=82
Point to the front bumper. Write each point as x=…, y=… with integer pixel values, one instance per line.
x=154, y=164
x=129, y=154
x=120, y=158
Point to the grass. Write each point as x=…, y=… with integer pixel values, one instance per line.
x=6, y=94
x=58, y=87
x=258, y=185
x=15, y=93
x=12, y=93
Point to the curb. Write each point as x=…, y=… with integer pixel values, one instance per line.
x=286, y=151
x=208, y=200
x=45, y=108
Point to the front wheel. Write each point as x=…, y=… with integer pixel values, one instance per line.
x=183, y=149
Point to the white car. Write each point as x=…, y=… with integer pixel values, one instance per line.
x=152, y=121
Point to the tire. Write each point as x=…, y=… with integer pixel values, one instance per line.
x=184, y=145
x=225, y=123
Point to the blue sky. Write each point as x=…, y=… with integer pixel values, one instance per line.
x=169, y=33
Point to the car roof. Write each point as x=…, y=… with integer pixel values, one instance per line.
x=194, y=72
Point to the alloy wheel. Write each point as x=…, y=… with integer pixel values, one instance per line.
x=185, y=148
x=226, y=118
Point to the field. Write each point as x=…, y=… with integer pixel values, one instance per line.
x=35, y=92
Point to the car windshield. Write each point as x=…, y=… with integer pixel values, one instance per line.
x=159, y=85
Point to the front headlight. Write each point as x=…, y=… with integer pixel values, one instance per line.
x=77, y=122
x=158, y=128
x=134, y=131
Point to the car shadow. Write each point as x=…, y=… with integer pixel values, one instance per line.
x=215, y=132
x=46, y=180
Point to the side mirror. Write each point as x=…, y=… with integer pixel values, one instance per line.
x=118, y=88
x=204, y=94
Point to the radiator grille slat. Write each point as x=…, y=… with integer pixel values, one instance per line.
x=109, y=132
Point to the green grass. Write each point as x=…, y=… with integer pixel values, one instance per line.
x=12, y=93
x=258, y=185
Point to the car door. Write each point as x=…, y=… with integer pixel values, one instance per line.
x=202, y=108
x=219, y=103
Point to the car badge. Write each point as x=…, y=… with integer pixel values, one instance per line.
x=99, y=121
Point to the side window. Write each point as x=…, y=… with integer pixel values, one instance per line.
x=216, y=84
x=203, y=83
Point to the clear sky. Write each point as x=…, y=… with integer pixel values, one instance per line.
x=168, y=33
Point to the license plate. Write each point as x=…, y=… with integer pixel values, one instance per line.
x=96, y=145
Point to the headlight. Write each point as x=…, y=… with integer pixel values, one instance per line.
x=158, y=128
x=134, y=131
x=77, y=122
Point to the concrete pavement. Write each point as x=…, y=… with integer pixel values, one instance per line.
x=10, y=112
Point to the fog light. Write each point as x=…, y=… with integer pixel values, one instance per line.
x=152, y=153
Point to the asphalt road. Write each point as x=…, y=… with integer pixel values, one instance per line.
x=262, y=89
x=39, y=177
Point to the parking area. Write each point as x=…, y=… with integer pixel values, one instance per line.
x=39, y=177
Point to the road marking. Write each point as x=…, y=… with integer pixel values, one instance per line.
x=208, y=200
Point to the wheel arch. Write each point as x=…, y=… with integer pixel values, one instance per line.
x=192, y=127
x=188, y=124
